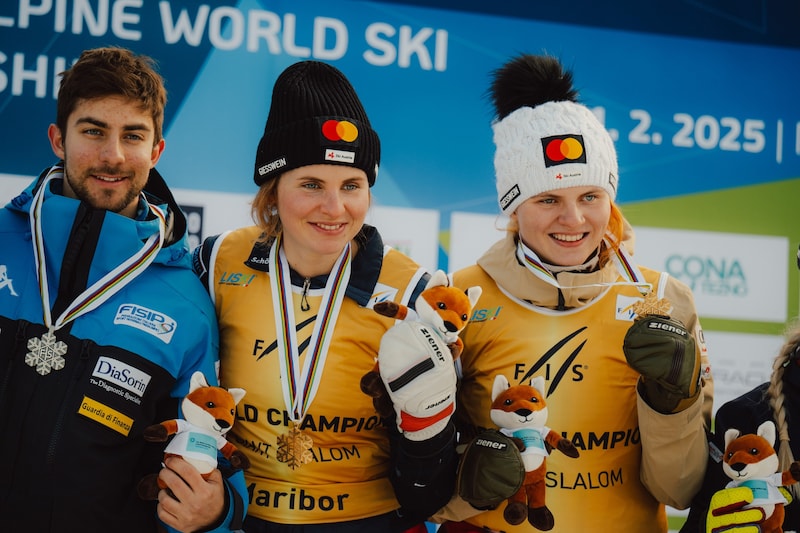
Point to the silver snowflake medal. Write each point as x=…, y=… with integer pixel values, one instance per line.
x=46, y=353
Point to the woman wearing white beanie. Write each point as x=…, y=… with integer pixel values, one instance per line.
x=620, y=346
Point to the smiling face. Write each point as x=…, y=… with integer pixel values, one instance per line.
x=322, y=208
x=565, y=226
x=108, y=150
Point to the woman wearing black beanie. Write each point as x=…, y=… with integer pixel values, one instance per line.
x=294, y=297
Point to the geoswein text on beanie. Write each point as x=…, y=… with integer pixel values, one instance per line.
x=315, y=117
x=544, y=139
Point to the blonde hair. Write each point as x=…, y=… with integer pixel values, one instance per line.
x=776, y=400
x=616, y=227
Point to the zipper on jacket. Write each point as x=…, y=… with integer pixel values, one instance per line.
x=19, y=336
x=76, y=374
x=78, y=256
x=304, y=305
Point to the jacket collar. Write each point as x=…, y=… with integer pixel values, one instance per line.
x=501, y=264
x=366, y=265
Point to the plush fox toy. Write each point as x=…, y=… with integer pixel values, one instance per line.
x=521, y=412
x=750, y=461
x=209, y=413
x=441, y=306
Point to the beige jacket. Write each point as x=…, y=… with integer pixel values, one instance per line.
x=674, y=446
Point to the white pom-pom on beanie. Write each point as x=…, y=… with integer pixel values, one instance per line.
x=552, y=146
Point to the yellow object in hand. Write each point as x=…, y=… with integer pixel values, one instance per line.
x=725, y=513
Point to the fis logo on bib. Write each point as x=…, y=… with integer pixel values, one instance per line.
x=383, y=293
x=157, y=324
x=624, y=308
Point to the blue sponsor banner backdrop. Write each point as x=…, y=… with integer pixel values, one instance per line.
x=688, y=114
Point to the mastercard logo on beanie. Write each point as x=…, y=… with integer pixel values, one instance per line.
x=560, y=149
x=340, y=130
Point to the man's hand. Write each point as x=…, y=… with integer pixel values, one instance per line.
x=190, y=502
x=725, y=512
x=416, y=367
x=663, y=352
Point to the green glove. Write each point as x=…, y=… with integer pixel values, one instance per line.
x=491, y=470
x=663, y=352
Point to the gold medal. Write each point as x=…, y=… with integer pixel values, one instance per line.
x=300, y=384
x=651, y=305
x=294, y=448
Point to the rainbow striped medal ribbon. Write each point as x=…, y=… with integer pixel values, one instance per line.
x=46, y=353
x=300, y=385
x=622, y=260
x=651, y=303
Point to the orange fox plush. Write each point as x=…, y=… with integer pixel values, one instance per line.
x=750, y=461
x=446, y=309
x=521, y=412
x=209, y=413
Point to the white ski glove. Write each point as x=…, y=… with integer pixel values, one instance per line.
x=416, y=367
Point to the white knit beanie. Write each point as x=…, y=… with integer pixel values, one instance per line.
x=549, y=145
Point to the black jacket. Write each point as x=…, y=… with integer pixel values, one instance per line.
x=746, y=413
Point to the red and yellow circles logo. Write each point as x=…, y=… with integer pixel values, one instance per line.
x=339, y=130
x=561, y=149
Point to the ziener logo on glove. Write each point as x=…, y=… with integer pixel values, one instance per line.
x=485, y=443
x=433, y=343
x=667, y=327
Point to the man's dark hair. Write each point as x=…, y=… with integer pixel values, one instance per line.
x=112, y=71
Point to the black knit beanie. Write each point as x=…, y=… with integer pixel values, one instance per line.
x=315, y=117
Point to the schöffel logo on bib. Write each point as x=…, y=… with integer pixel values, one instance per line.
x=147, y=320
x=118, y=373
x=560, y=149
